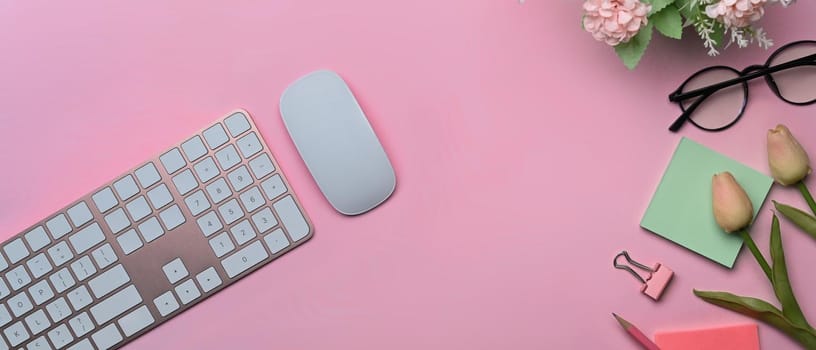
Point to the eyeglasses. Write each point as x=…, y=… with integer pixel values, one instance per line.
x=714, y=98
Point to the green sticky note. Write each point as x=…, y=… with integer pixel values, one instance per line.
x=680, y=209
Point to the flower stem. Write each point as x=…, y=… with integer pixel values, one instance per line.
x=757, y=254
x=808, y=198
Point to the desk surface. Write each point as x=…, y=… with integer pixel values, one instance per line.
x=525, y=152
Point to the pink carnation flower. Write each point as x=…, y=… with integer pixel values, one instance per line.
x=615, y=21
x=736, y=13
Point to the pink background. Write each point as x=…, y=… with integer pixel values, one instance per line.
x=525, y=152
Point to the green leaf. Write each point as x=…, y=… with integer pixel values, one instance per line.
x=668, y=22
x=659, y=5
x=631, y=51
x=688, y=11
x=781, y=282
x=763, y=311
x=803, y=220
x=719, y=34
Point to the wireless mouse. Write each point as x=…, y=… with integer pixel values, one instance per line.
x=338, y=145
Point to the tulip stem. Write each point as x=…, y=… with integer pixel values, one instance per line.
x=808, y=198
x=757, y=254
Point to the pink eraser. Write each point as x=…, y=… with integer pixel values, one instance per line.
x=739, y=337
x=656, y=284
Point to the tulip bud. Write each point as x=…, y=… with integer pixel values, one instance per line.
x=788, y=161
x=732, y=207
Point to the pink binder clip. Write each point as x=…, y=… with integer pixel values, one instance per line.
x=657, y=277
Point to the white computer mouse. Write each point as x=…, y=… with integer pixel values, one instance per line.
x=338, y=145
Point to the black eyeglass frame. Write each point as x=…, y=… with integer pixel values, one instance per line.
x=747, y=74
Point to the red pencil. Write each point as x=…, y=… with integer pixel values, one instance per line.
x=636, y=333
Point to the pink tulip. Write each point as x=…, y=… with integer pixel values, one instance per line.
x=733, y=210
x=788, y=161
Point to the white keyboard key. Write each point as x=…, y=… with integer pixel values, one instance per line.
x=151, y=229
x=249, y=145
x=175, y=270
x=221, y=244
x=227, y=157
x=81, y=324
x=264, y=220
x=36, y=238
x=39, y=265
x=60, y=336
x=104, y=256
x=60, y=253
x=194, y=148
x=218, y=190
x=231, y=211
x=185, y=182
x=291, y=218
x=147, y=175
x=237, y=123
x=105, y=200
x=129, y=241
x=87, y=238
x=107, y=337
x=215, y=136
x=58, y=310
x=62, y=280
x=5, y=315
x=160, y=196
x=187, y=291
x=243, y=232
x=262, y=166
x=136, y=320
x=4, y=289
x=80, y=214
x=166, y=303
x=117, y=220
x=197, y=202
x=37, y=322
x=172, y=161
x=116, y=304
x=16, y=250
x=42, y=344
x=276, y=241
x=273, y=187
x=83, y=268
x=208, y=279
x=79, y=297
x=20, y=304
x=83, y=344
x=252, y=199
x=58, y=226
x=244, y=259
x=18, y=277
x=240, y=178
x=209, y=223
x=138, y=208
x=172, y=217
x=16, y=333
x=41, y=292
x=126, y=187
x=206, y=169
x=108, y=281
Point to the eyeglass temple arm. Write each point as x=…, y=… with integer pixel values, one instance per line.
x=678, y=123
x=677, y=96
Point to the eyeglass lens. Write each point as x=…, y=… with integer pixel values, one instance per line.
x=797, y=84
x=719, y=109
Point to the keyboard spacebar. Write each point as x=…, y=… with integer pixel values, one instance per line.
x=116, y=304
x=245, y=258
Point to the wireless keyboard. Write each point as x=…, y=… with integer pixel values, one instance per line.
x=150, y=244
